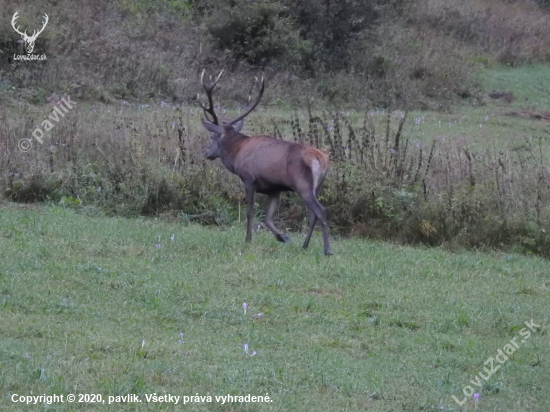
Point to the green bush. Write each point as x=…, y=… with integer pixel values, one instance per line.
x=258, y=32
x=381, y=184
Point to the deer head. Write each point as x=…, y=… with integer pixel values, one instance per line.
x=29, y=40
x=219, y=130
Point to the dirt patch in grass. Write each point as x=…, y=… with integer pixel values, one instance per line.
x=507, y=96
x=530, y=114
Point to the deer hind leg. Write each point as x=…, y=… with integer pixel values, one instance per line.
x=272, y=205
x=250, y=195
x=312, y=221
x=316, y=208
x=312, y=217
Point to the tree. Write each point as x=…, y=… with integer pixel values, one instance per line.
x=334, y=30
x=258, y=32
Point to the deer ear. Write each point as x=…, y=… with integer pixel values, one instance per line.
x=238, y=126
x=211, y=127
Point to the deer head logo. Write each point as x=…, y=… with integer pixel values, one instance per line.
x=29, y=40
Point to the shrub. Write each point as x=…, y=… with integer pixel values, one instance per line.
x=393, y=53
x=381, y=184
x=259, y=32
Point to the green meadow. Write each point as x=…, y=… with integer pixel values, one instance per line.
x=125, y=280
x=112, y=306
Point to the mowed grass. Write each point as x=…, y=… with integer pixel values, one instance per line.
x=90, y=304
x=528, y=83
x=486, y=126
x=489, y=125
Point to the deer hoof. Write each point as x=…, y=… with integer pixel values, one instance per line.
x=283, y=238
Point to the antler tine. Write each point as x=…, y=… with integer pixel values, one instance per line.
x=208, y=89
x=35, y=33
x=218, y=78
x=250, y=108
x=46, y=19
x=13, y=22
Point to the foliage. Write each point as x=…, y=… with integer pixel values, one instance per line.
x=335, y=31
x=382, y=182
x=400, y=53
x=258, y=32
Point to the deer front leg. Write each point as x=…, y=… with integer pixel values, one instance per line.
x=250, y=194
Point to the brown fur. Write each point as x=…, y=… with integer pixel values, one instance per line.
x=270, y=166
x=270, y=160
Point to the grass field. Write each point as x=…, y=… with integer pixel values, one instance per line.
x=96, y=305
x=486, y=126
x=482, y=126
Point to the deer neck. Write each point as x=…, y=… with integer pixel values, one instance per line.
x=231, y=146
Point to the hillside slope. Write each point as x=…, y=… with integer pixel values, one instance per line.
x=404, y=53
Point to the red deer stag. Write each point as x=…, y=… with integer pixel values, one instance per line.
x=268, y=165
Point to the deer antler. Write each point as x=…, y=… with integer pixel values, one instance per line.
x=14, y=18
x=208, y=89
x=252, y=107
x=35, y=33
